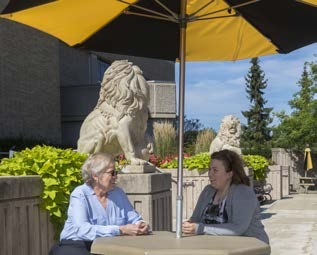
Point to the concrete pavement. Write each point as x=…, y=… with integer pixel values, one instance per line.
x=291, y=224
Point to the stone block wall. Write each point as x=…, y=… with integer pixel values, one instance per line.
x=151, y=196
x=48, y=88
x=193, y=183
x=29, y=83
x=25, y=229
x=295, y=161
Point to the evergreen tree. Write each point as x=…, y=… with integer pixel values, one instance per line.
x=299, y=128
x=191, y=130
x=256, y=134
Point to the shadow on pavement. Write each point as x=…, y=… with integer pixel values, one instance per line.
x=266, y=215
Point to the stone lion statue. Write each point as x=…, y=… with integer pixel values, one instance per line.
x=119, y=121
x=228, y=136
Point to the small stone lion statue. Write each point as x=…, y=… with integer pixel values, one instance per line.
x=119, y=121
x=228, y=136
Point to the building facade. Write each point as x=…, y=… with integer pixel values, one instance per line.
x=48, y=88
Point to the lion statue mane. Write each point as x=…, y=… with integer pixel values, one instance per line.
x=228, y=136
x=119, y=121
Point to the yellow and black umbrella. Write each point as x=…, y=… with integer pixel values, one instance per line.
x=183, y=30
x=215, y=29
x=308, y=163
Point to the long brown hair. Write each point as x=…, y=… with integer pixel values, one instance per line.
x=232, y=162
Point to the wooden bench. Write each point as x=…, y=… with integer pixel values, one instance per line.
x=306, y=182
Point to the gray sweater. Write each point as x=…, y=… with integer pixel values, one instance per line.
x=243, y=212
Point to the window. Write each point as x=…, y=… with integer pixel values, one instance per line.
x=102, y=67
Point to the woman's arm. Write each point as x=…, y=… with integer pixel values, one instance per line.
x=242, y=206
x=204, y=198
x=84, y=226
x=133, y=218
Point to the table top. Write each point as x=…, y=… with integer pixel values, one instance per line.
x=166, y=243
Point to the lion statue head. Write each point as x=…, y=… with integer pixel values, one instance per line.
x=228, y=136
x=124, y=88
x=119, y=121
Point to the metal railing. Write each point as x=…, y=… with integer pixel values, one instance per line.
x=4, y=154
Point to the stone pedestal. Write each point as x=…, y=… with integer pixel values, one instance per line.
x=150, y=194
x=130, y=169
x=274, y=177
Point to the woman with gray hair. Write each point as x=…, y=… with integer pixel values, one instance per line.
x=97, y=208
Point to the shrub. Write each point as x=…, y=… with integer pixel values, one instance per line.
x=164, y=139
x=204, y=139
x=258, y=163
x=59, y=170
x=201, y=162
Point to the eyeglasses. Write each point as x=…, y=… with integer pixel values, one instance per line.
x=113, y=173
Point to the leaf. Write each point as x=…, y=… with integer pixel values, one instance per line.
x=50, y=181
x=57, y=213
x=51, y=194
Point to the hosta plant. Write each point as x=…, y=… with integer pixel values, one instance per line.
x=59, y=170
x=258, y=163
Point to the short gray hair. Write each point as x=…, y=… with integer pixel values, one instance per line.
x=95, y=164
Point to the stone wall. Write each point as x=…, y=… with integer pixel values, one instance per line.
x=295, y=161
x=48, y=88
x=151, y=196
x=193, y=183
x=25, y=229
x=29, y=83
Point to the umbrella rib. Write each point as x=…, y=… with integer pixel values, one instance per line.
x=200, y=9
x=167, y=9
x=146, y=10
x=217, y=17
x=151, y=16
x=230, y=7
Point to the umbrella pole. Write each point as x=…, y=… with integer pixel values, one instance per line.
x=181, y=97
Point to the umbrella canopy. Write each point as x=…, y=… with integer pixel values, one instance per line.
x=216, y=29
x=192, y=30
x=308, y=163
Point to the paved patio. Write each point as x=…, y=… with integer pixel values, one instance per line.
x=291, y=224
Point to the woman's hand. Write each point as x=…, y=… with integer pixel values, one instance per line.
x=189, y=227
x=144, y=228
x=140, y=228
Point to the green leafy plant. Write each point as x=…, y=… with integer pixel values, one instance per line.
x=59, y=170
x=258, y=163
x=201, y=162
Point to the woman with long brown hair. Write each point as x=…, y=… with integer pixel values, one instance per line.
x=228, y=206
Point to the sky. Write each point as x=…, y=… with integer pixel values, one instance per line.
x=216, y=89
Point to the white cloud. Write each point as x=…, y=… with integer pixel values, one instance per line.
x=216, y=89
